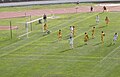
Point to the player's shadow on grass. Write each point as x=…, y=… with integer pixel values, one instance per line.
x=55, y=41
x=92, y=25
x=45, y=34
x=110, y=45
x=102, y=26
x=81, y=45
x=65, y=50
x=66, y=37
x=97, y=44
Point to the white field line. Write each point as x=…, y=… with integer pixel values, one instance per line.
x=109, y=54
x=23, y=34
x=106, y=57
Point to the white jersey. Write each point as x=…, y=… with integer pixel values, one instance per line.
x=115, y=37
x=71, y=28
x=71, y=40
x=71, y=34
x=97, y=18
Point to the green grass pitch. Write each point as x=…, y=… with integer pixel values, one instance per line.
x=45, y=56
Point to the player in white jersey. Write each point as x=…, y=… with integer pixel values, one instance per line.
x=115, y=38
x=97, y=19
x=71, y=29
x=71, y=42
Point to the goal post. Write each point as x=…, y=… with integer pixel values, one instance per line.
x=27, y=27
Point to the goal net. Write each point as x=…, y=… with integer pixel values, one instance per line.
x=25, y=29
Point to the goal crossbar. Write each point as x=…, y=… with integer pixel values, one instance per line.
x=38, y=20
x=29, y=22
x=34, y=20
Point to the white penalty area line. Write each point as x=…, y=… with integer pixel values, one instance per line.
x=107, y=56
x=24, y=34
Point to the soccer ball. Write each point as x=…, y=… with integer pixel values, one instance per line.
x=48, y=32
x=103, y=34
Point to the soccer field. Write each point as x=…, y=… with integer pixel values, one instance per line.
x=45, y=56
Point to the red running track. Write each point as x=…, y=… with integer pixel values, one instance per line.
x=56, y=11
x=8, y=27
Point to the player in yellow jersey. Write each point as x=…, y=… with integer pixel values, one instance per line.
x=93, y=32
x=59, y=35
x=102, y=36
x=107, y=20
x=73, y=30
x=45, y=27
x=86, y=38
